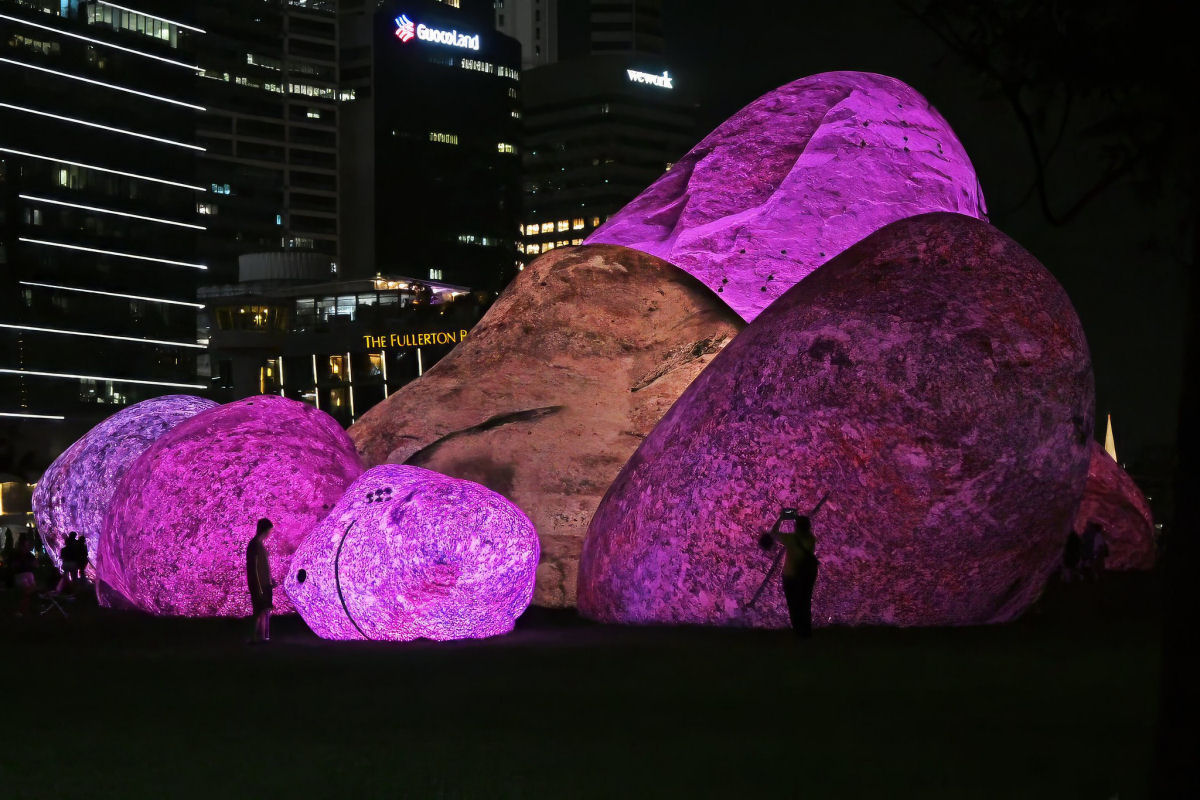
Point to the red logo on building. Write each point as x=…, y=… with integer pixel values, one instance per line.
x=406, y=29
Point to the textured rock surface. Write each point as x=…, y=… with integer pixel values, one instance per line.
x=174, y=540
x=555, y=388
x=795, y=178
x=74, y=493
x=934, y=379
x=410, y=554
x=1113, y=500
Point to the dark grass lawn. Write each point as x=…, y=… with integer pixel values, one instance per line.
x=1062, y=704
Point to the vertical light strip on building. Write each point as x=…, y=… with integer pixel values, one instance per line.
x=383, y=361
x=350, y=377
x=420, y=369
x=282, y=389
x=316, y=388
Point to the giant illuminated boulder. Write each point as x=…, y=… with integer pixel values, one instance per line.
x=795, y=178
x=1113, y=501
x=174, y=540
x=933, y=379
x=74, y=493
x=554, y=389
x=410, y=554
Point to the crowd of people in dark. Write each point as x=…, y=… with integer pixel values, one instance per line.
x=27, y=569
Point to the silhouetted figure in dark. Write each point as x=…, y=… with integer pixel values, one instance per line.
x=1095, y=550
x=69, y=557
x=1072, y=554
x=799, y=567
x=24, y=571
x=81, y=556
x=6, y=556
x=258, y=577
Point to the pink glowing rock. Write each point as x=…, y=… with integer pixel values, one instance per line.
x=74, y=493
x=1112, y=500
x=795, y=178
x=174, y=540
x=409, y=554
x=934, y=379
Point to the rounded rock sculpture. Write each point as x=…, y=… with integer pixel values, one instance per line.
x=1113, y=501
x=795, y=178
x=74, y=493
x=554, y=389
x=174, y=540
x=934, y=379
x=409, y=554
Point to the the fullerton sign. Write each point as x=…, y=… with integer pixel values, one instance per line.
x=414, y=339
x=407, y=30
x=663, y=81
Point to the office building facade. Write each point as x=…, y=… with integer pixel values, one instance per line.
x=342, y=346
x=270, y=87
x=431, y=143
x=98, y=221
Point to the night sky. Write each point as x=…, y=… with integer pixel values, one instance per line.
x=1124, y=257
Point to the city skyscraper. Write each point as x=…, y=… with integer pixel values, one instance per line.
x=98, y=222
x=270, y=86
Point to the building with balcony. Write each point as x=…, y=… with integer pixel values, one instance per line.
x=342, y=346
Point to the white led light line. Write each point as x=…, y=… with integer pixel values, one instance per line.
x=99, y=378
x=111, y=253
x=105, y=85
x=98, y=41
x=110, y=211
x=102, y=127
x=36, y=329
x=31, y=416
x=151, y=16
x=104, y=169
x=112, y=294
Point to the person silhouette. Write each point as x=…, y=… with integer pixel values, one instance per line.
x=800, y=567
x=258, y=579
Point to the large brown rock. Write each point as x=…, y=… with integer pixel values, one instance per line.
x=555, y=388
x=933, y=378
x=1113, y=501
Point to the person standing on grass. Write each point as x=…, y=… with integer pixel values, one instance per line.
x=799, y=568
x=258, y=577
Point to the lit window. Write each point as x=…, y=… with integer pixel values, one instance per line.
x=547, y=247
x=435, y=274
x=531, y=229
x=516, y=115
x=547, y=227
x=577, y=241
x=62, y=177
x=505, y=147
x=595, y=222
x=562, y=225
x=577, y=224
x=279, y=219
x=314, y=114
x=443, y=138
x=532, y=249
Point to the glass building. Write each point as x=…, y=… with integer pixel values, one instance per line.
x=98, y=222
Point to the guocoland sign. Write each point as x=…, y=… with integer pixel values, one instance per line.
x=427, y=339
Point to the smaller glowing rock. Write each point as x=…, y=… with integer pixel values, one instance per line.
x=1113, y=501
x=74, y=493
x=408, y=553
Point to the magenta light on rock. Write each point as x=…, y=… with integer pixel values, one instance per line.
x=1113, y=501
x=409, y=554
x=795, y=178
x=174, y=540
x=934, y=379
x=74, y=493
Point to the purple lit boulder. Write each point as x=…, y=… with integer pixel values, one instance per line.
x=174, y=540
x=795, y=178
x=934, y=379
x=1113, y=501
x=410, y=554
x=74, y=493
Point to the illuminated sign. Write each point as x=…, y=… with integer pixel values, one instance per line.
x=414, y=339
x=662, y=81
x=407, y=30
